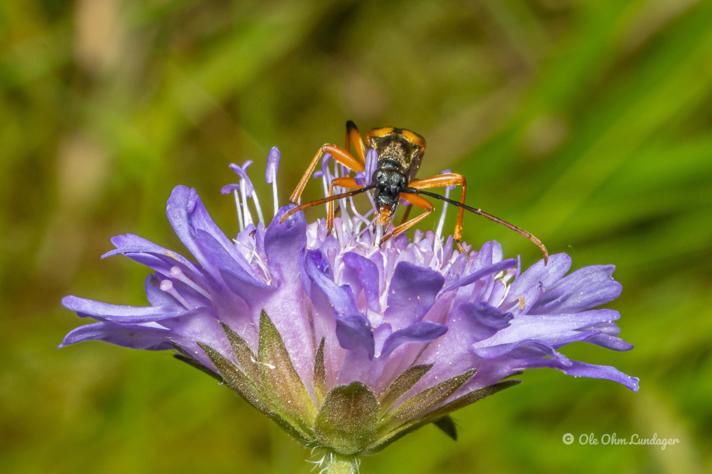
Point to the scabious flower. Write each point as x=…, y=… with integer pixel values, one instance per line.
x=346, y=344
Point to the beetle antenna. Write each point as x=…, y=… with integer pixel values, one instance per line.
x=524, y=233
x=318, y=202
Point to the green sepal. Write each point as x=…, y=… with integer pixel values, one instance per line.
x=236, y=380
x=243, y=354
x=320, y=374
x=467, y=399
x=347, y=421
x=447, y=426
x=422, y=403
x=196, y=365
x=401, y=385
x=279, y=382
x=233, y=377
x=474, y=396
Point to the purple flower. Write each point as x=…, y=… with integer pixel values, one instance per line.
x=346, y=344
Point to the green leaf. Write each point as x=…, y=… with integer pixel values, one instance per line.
x=402, y=384
x=279, y=381
x=347, y=420
x=447, y=426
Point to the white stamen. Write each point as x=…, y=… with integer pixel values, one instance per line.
x=167, y=287
x=255, y=257
x=178, y=274
x=379, y=231
x=238, y=206
x=441, y=221
x=258, y=208
x=275, y=196
x=245, y=207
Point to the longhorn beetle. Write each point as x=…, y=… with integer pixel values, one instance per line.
x=399, y=153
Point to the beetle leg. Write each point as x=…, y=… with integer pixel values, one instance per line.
x=406, y=213
x=344, y=182
x=414, y=200
x=441, y=181
x=324, y=200
x=339, y=154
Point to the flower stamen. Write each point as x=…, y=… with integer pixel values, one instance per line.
x=167, y=287
x=179, y=275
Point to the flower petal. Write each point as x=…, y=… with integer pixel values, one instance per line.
x=120, y=313
x=554, y=330
x=362, y=274
x=147, y=253
x=421, y=331
x=582, y=369
x=354, y=333
x=137, y=336
x=528, y=287
x=481, y=273
x=411, y=293
x=585, y=288
x=191, y=223
x=285, y=243
x=340, y=297
x=233, y=272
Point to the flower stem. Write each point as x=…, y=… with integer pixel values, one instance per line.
x=340, y=465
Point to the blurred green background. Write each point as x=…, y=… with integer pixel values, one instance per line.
x=585, y=122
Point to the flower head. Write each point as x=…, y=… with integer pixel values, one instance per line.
x=348, y=345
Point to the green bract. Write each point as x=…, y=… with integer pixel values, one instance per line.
x=349, y=420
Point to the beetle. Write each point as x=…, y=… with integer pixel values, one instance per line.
x=400, y=152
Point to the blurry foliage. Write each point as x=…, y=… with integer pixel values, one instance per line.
x=586, y=122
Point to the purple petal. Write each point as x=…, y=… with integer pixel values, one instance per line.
x=411, y=293
x=481, y=273
x=232, y=271
x=554, y=330
x=147, y=336
x=610, y=342
x=585, y=288
x=120, y=313
x=149, y=254
x=479, y=320
x=354, y=333
x=284, y=247
x=530, y=285
x=582, y=369
x=191, y=220
x=362, y=274
x=285, y=243
x=340, y=297
x=421, y=331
